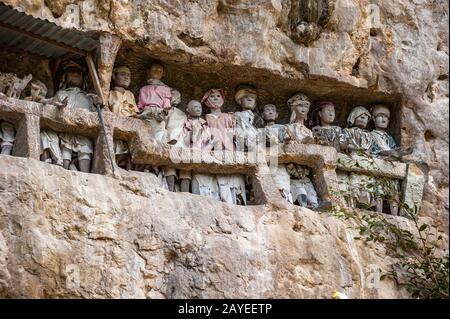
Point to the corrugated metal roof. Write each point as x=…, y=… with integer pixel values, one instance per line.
x=41, y=28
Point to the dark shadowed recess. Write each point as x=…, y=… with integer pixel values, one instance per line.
x=192, y=80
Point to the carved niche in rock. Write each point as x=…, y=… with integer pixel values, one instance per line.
x=308, y=18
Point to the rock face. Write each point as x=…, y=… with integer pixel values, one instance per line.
x=66, y=234
x=69, y=234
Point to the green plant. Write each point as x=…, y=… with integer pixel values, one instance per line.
x=421, y=267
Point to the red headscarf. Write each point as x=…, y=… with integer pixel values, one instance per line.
x=207, y=95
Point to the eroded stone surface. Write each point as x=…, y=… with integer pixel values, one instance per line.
x=70, y=234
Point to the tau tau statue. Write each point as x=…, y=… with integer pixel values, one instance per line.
x=274, y=133
x=302, y=189
x=156, y=100
x=296, y=129
x=11, y=86
x=196, y=135
x=223, y=126
x=356, y=139
x=7, y=137
x=38, y=93
x=385, y=146
x=246, y=132
x=50, y=149
x=174, y=135
x=157, y=103
x=72, y=91
x=323, y=129
x=121, y=101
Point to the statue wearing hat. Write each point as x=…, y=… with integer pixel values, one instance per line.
x=384, y=144
x=121, y=101
x=296, y=129
x=301, y=188
x=73, y=95
x=355, y=138
x=386, y=147
x=246, y=132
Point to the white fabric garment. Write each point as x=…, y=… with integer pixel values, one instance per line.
x=77, y=143
x=247, y=133
x=7, y=134
x=206, y=184
x=76, y=98
x=230, y=187
x=304, y=187
x=174, y=126
x=50, y=141
x=120, y=147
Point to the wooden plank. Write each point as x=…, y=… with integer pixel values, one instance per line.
x=94, y=77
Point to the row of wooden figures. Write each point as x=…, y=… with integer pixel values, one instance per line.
x=218, y=131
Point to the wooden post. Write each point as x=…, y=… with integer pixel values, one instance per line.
x=109, y=46
x=94, y=77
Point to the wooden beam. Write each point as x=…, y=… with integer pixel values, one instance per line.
x=94, y=77
x=43, y=39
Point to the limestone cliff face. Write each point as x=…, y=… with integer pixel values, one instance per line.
x=66, y=234
x=395, y=47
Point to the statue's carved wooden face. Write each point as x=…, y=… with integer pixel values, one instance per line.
x=122, y=79
x=74, y=79
x=156, y=72
x=362, y=121
x=215, y=99
x=248, y=101
x=270, y=113
x=194, y=108
x=327, y=114
x=300, y=104
x=381, y=121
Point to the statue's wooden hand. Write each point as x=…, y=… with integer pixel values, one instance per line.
x=58, y=103
x=95, y=100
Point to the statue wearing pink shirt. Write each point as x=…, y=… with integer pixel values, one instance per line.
x=156, y=99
